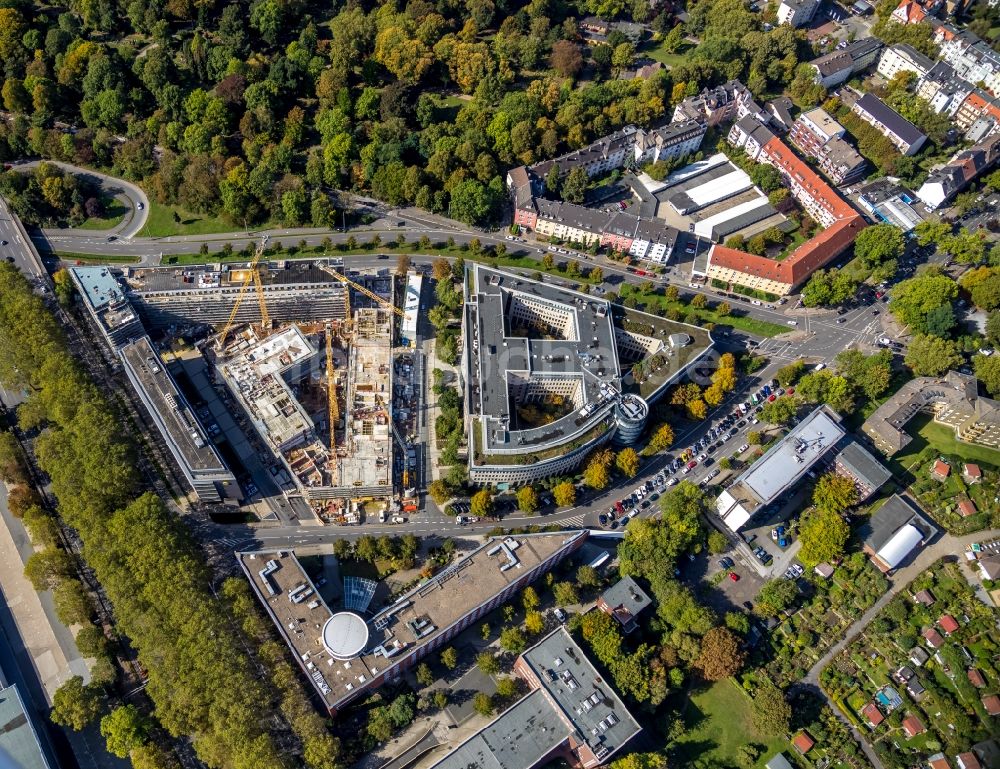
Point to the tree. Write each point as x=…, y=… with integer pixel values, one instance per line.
x=529, y=598
x=988, y=372
x=929, y=355
x=527, y=499
x=424, y=675
x=71, y=602
x=574, y=187
x=924, y=303
x=481, y=504
x=780, y=411
x=870, y=373
x=46, y=568
x=449, y=658
x=597, y=474
x=512, y=640
x=788, y=375
x=641, y=760
x=827, y=387
x=440, y=491
x=823, y=534
x=75, y=705
x=124, y=729
x=565, y=594
x=441, y=269
x=661, y=438
x=770, y=712
x=483, y=704
x=488, y=663
x=627, y=462
x=566, y=58
x=721, y=655
x=402, y=262
x=834, y=493
x=879, y=243
x=534, y=622
x=717, y=542
x=564, y=494
x=776, y=596
x=587, y=576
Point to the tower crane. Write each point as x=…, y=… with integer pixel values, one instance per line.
x=361, y=289
x=252, y=275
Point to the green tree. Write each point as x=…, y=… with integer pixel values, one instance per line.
x=779, y=412
x=71, y=602
x=717, y=542
x=770, y=712
x=869, y=373
x=834, y=493
x=879, y=243
x=488, y=663
x=124, y=729
x=574, y=187
x=721, y=654
x=46, y=568
x=988, y=372
x=776, y=596
x=587, y=576
x=564, y=494
x=827, y=387
x=929, y=355
x=527, y=499
x=641, y=760
x=924, y=303
x=627, y=462
x=440, y=491
x=424, y=675
x=788, y=375
x=75, y=705
x=449, y=658
x=512, y=640
x=565, y=594
x=483, y=704
x=823, y=535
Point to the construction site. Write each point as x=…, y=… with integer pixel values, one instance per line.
x=320, y=394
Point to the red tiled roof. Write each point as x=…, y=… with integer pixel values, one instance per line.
x=941, y=468
x=939, y=763
x=913, y=726
x=968, y=760
x=933, y=637
x=873, y=714
x=911, y=11
x=947, y=623
x=976, y=678
x=815, y=252
x=973, y=471
x=992, y=704
x=802, y=742
x=967, y=508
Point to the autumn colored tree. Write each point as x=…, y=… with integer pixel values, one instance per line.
x=721, y=654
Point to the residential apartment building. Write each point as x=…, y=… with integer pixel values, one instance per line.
x=903, y=58
x=972, y=58
x=838, y=66
x=797, y=13
x=868, y=474
x=817, y=135
x=909, y=12
x=730, y=101
x=905, y=136
x=946, y=182
x=978, y=105
x=943, y=89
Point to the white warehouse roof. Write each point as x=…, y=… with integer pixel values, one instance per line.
x=900, y=546
x=706, y=227
x=733, y=183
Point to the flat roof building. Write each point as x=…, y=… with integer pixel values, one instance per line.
x=18, y=738
x=107, y=304
x=624, y=601
x=894, y=531
x=570, y=711
x=780, y=469
x=183, y=433
x=346, y=654
x=868, y=474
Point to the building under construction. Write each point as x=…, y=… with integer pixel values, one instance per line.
x=319, y=394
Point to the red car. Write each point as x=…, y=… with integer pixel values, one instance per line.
x=692, y=464
x=771, y=398
x=734, y=576
x=790, y=391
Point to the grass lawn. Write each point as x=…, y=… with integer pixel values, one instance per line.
x=718, y=721
x=926, y=432
x=656, y=53
x=115, y=211
x=161, y=223
x=68, y=256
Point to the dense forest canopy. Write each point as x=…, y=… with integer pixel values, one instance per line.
x=259, y=110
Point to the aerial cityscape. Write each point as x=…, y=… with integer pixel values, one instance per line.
x=498, y=385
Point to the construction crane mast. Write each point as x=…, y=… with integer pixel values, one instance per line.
x=331, y=386
x=361, y=289
x=252, y=275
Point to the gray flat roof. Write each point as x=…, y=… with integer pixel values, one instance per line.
x=175, y=415
x=500, y=362
x=863, y=465
x=17, y=735
x=627, y=593
x=100, y=287
x=789, y=459
x=212, y=276
x=576, y=680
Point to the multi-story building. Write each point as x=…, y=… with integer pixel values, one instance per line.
x=347, y=656
x=838, y=66
x=978, y=105
x=944, y=183
x=797, y=13
x=903, y=58
x=107, y=304
x=942, y=89
x=952, y=400
x=909, y=12
x=570, y=713
x=972, y=58
x=821, y=137
x=533, y=344
x=905, y=136
x=868, y=474
x=720, y=104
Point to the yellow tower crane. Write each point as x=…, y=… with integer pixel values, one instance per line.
x=331, y=386
x=361, y=289
x=252, y=275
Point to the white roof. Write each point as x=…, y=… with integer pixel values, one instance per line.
x=650, y=183
x=411, y=305
x=900, y=545
x=736, y=518
x=693, y=169
x=345, y=635
x=733, y=183
x=724, y=502
x=706, y=226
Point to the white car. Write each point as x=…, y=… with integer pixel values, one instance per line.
x=673, y=481
x=743, y=448
x=792, y=322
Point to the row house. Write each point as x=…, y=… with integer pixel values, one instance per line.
x=972, y=58
x=905, y=136
x=943, y=89
x=837, y=67
x=903, y=58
